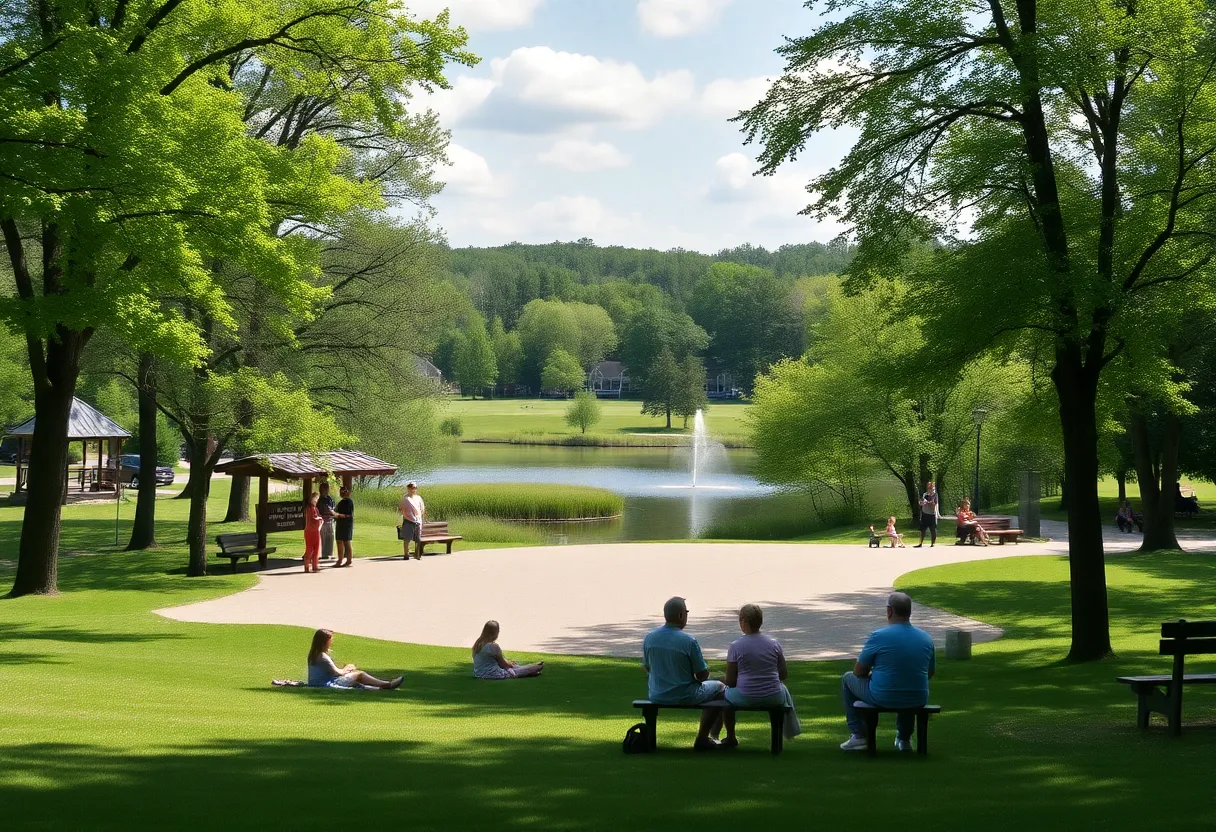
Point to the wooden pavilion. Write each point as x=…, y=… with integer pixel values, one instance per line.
x=88, y=426
x=289, y=516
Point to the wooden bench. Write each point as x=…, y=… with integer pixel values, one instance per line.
x=436, y=533
x=241, y=545
x=1163, y=694
x=999, y=528
x=870, y=713
x=776, y=718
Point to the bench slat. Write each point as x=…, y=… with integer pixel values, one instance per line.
x=1187, y=647
x=1165, y=679
x=1188, y=629
x=866, y=706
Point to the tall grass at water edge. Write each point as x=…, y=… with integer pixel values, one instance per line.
x=505, y=501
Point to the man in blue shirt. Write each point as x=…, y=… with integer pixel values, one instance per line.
x=678, y=672
x=893, y=671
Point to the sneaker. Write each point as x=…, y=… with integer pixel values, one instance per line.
x=730, y=742
x=854, y=743
x=902, y=745
x=707, y=744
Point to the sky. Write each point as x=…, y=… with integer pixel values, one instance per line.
x=608, y=119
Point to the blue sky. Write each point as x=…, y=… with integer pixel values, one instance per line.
x=608, y=119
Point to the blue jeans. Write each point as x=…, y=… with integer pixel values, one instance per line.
x=853, y=688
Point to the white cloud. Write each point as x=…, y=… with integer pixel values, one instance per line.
x=479, y=14
x=455, y=104
x=725, y=97
x=582, y=156
x=467, y=172
x=539, y=90
x=734, y=181
x=676, y=18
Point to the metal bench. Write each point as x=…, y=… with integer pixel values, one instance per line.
x=1163, y=694
x=241, y=545
x=776, y=717
x=870, y=714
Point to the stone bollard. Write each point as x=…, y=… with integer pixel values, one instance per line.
x=958, y=645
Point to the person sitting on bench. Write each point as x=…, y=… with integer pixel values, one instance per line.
x=678, y=674
x=1127, y=517
x=893, y=671
x=323, y=673
x=969, y=524
x=756, y=673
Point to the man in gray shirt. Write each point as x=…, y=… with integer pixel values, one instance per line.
x=325, y=507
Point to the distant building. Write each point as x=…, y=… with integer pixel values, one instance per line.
x=428, y=370
x=719, y=382
x=609, y=379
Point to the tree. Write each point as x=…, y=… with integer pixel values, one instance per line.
x=16, y=389
x=653, y=329
x=562, y=372
x=753, y=319
x=690, y=390
x=508, y=352
x=584, y=411
x=661, y=389
x=580, y=329
x=476, y=365
x=1078, y=155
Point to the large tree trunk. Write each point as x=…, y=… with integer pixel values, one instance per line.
x=1121, y=479
x=38, y=552
x=238, y=501
x=1158, y=480
x=909, y=483
x=1077, y=386
x=143, y=531
x=200, y=488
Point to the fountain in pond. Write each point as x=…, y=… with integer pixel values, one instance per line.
x=700, y=447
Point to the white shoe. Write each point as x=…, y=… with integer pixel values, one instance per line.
x=854, y=743
x=902, y=745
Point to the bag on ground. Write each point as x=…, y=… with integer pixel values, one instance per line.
x=637, y=739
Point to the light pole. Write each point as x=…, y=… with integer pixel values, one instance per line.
x=978, y=416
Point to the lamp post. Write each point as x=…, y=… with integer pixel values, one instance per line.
x=978, y=416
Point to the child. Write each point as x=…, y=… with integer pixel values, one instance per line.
x=875, y=540
x=312, y=534
x=490, y=663
x=895, y=536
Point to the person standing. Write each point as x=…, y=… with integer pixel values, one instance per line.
x=344, y=526
x=312, y=534
x=893, y=671
x=413, y=513
x=325, y=506
x=930, y=511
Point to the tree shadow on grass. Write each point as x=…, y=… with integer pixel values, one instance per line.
x=26, y=632
x=568, y=783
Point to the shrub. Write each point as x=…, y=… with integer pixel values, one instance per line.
x=584, y=411
x=451, y=426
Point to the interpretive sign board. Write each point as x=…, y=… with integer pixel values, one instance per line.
x=282, y=517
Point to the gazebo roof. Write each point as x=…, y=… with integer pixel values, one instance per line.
x=86, y=422
x=300, y=466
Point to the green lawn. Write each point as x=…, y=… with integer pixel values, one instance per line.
x=543, y=421
x=112, y=717
x=1108, y=498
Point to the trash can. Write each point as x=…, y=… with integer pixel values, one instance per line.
x=958, y=645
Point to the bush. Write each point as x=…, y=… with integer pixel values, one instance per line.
x=451, y=426
x=506, y=501
x=584, y=411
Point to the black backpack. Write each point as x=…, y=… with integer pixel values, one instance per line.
x=637, y=739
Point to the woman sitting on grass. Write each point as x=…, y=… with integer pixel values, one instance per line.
x=490, y=663
x=323, y=673
x=756, y=674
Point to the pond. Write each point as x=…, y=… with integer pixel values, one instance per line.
x=660, y=502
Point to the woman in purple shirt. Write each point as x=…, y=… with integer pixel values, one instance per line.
x=756, y=673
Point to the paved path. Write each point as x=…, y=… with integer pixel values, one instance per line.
x=820, y=600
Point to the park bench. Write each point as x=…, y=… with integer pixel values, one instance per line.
x=436, y=533
x=241, y=545
x=776, y=718
x=870, y=713
x=999, y=528
x=1163, y=694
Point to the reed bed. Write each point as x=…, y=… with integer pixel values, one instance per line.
x=504, y=501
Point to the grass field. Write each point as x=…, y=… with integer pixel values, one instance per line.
x=114, y=718
x=543, y=422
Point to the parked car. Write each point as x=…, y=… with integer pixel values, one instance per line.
x=130, y=472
